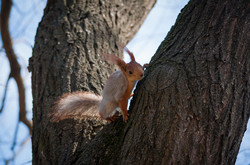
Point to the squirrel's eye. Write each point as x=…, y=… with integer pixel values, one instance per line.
x=130, y=72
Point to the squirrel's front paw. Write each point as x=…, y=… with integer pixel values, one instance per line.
x=125, y=117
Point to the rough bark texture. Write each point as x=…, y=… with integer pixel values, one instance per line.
x=192, y=107
x=66, y=58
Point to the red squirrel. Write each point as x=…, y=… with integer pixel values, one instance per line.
x=115, y=94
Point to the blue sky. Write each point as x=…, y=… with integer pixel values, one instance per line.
x=25, y=17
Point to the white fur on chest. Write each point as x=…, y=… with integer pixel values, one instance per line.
x=115, y=87
x=113, y=91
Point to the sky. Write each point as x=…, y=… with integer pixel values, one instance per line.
x=25, y=16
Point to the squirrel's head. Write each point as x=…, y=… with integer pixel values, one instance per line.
x=132, y=70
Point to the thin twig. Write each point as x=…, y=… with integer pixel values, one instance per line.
x=15, y=154
x=15, y=137
x=4, y=95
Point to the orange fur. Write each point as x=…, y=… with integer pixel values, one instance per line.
x=115, y=95
x=130, y=72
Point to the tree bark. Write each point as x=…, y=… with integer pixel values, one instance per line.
x=192, y=107
x=66, y=58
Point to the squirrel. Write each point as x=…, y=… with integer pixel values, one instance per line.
x=115, y=94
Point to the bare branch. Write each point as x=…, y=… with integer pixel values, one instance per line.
x=15, y=137
x=4, y=95
x=16, y=153
x=15, y=67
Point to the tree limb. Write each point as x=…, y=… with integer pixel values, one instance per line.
x=15, y=67
x=4, y=95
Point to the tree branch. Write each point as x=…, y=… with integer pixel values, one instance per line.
x=15, y=67
x=4, y=95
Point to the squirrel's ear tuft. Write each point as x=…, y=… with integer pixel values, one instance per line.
x=132, y=57
x=116, y=60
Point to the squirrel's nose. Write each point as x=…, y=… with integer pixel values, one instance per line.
x=142, y=75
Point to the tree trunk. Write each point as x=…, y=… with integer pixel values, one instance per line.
x=66, y=58
x=192, y=107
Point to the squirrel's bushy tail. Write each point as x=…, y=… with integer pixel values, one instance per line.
x=76, y=105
